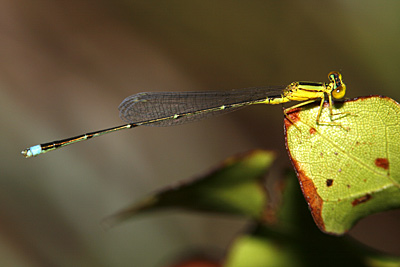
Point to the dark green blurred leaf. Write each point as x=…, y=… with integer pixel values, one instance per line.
x=234, y=187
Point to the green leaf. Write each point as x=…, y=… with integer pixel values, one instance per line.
x=351, y=170
x=234, y=187
x=259, y=249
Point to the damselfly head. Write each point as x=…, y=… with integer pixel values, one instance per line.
x=337, y=84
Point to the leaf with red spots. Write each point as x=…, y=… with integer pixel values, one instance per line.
x=348, y=167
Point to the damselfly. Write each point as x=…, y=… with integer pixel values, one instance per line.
x=174, y=108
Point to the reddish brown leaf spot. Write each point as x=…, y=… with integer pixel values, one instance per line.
x=329, y=182
x=312, y=130
x=362, y=98
x=309, y=190
x=360, y=200
x=382, y=163
x=292, y=117
x=313, y=199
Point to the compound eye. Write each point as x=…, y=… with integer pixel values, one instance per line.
x=334, y=76
x=339, y=91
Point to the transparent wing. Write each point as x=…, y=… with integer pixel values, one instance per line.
x=174, y=108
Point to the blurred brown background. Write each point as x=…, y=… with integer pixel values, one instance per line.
x=66, y=65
